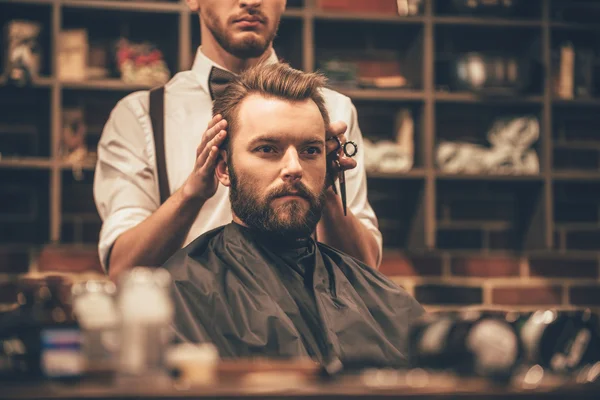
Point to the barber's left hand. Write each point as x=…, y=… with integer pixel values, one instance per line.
x=337, y=128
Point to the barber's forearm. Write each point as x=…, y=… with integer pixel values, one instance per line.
x=157, y=238
x=346, y=233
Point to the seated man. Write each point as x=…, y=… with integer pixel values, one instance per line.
x=261, y=285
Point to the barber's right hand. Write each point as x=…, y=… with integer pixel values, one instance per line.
x=202, y=183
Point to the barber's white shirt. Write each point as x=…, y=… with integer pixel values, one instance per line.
x=126, y=185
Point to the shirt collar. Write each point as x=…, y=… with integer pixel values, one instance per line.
x=202, y=66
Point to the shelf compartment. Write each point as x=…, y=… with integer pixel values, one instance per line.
x=399, y=205
x=468, y=125
x=528, y=10
x=37, y=13
x=576, y=144
x=24, y=206
x=80, y=220
x=571, y=12
x=106, y=26
x=384, y=123
x=490, y=216
x=521, y=43
x=163, y=6
x=21, y=135
x=95, y=106
x=582, y=86
x=576, y=215
x=354, y=53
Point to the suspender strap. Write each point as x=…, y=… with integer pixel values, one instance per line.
x=157, y=116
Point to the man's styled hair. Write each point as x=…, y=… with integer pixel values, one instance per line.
x=277, y=80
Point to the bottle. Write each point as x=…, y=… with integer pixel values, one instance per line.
x=146, y=314
x=61, y=356
x=95, y=309
x=19, y=336
x=469, y=343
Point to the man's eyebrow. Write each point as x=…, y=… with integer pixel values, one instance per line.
x=314, y=141
x=279, y=138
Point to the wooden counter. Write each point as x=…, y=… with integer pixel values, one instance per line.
x=343, y=388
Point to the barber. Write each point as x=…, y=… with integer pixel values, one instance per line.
x=141, y=227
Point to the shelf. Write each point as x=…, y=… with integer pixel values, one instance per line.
x=381, y=94
x=40, y=82
x=488, y=177
x=86, y=166
x=577, y=175
x=470, y=225
x=574, y=26
x=366, y=17
x=487, y=22
x=33, y=2
x=469, y=97
x=577, y=102
x=294, y=13
x=120, y=5
x=104, y=84
x=26, y=163
x=577, y=144
x=417, y=173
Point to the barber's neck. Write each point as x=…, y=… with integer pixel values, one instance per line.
x=212, y=50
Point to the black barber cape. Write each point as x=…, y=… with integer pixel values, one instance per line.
x=257, y=296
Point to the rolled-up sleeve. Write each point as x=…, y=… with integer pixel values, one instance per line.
x=356, y=181
x=125, y=186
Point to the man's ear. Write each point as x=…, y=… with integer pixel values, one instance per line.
x=222, y=169
x=194, y=5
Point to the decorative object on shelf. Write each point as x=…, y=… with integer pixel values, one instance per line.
x=486, y=7
x=364, y=72
x=340, y=72
x=141, y=63
x=510, y=153
x=22, y=51
x=490, y=73
x=400, y=7
x=73, y=147
x=393, y=156
x=72, y=55
x=573, y=72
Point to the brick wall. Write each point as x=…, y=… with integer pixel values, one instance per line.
x=497, y=282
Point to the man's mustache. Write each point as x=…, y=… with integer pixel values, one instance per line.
x=297, y=189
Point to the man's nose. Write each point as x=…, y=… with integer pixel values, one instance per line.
x=292, y=168
x=250, y=3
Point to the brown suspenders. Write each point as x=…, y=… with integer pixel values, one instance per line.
x=157, y=116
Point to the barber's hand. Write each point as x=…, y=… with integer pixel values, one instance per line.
x=202, y=182
x=337, y=128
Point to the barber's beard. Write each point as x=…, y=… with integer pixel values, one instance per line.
x=290, y=219
x=250, y=47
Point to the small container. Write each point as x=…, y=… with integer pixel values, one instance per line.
x=145, y=330
x=95, y=309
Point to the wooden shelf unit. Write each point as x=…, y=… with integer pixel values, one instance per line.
x=418, y=228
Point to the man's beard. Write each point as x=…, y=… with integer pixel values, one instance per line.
x=290, y=220
x=249, y=47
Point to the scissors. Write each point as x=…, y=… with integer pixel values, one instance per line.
x=350, y=149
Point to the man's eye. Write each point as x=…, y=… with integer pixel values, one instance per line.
x=313, y=150
x=265, y=149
